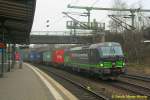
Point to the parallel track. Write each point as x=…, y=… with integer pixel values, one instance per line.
x=137, y=77
x=134, y=88
x=86, y=94
x=137, y=89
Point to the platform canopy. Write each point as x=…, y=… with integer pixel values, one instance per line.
x=16, y=18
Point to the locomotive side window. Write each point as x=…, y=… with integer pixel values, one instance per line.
x=94, y=55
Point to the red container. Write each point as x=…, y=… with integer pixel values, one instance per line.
x=58, y=57
x=17, y=56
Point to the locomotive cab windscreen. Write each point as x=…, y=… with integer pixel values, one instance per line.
x=110, y=51
x=111, y=55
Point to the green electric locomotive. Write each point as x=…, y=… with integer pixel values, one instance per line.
x=103, y=59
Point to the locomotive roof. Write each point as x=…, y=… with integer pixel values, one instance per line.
x=95, y=45
x=104, y=44
x=75, y=48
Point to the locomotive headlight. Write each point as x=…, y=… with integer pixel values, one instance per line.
x=123, y=64
x=101, y=65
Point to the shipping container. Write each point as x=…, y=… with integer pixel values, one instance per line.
x=32, y=56
x=47, y=57
x=35, y=57
x=25, y=55
x=39, y=57
x=58, y=57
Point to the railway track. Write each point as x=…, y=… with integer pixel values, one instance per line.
x=91, y=94
x=137, y=77
x=135, y=88
x=135, y=83
x=83, y=92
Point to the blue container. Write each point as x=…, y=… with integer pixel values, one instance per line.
x=35, y=57
x=32, y=56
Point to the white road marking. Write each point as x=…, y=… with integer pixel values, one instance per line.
x=52, y=90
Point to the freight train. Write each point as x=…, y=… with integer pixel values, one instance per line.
x=106, y=60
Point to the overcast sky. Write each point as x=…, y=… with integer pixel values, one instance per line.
x=52, y=10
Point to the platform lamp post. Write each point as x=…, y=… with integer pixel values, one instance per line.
x=2, y=47
x=13, y=55
x=9, y=57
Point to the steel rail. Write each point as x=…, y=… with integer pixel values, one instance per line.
x=83, y=87
x=137, y=89
x=137, y=77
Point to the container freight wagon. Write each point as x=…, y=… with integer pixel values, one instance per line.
x=39, y=58
x=47, y=57
x=58, y=57
x=25, y=56
x=35, y=57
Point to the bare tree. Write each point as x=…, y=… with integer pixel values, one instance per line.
x=113, y=25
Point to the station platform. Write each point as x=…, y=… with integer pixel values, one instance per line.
x=30, y=83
